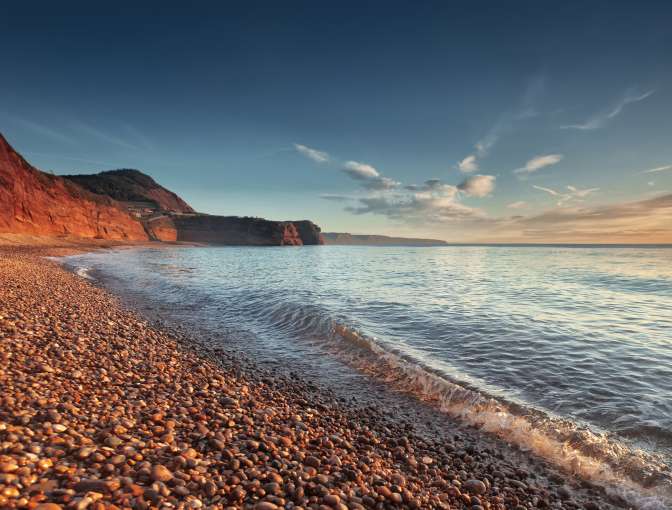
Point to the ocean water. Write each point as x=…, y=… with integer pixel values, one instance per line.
x=565, y=351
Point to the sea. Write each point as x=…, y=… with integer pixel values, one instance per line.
x=565, y=351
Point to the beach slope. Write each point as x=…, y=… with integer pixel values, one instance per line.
x=101, y=410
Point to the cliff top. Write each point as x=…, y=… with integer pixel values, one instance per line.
x=130, y=185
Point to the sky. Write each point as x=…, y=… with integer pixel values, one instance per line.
x=468, y=122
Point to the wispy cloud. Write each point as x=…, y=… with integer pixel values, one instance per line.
x=79, y=160
x=335, y=198
x=314, y=154
x=37, y=128
x=601, y=119
x=573, y=194
x=478, y=185
x=365, y=174
x=103, y=136
x=640, y=221
x=657, y=169
x=139, y=137
x=517, y=205
x=526, y=109
x=368, y=176
x=539, y=162
x=468, y=164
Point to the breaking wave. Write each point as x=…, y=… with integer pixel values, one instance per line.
x=638, y=477
x=565, y=353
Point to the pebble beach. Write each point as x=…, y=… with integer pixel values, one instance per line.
x=102, y=409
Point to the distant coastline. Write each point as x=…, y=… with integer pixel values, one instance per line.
x=343, y=238
x=347, y=239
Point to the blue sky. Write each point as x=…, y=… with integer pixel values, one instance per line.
x=507, y=121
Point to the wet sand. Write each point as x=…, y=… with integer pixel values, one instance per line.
x=101, y=409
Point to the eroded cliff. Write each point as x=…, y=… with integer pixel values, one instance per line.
x=124, y=205
x=36, y=203
x=233, y=230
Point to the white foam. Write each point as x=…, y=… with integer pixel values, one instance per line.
x=579, y=452
x=84, y=272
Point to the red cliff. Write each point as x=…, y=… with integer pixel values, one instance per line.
x=124, y=205
x=36, y=203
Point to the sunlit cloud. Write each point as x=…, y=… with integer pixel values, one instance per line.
x=468, y=164
x=368, y=176
x=657, y=169
x=314, y=154
x=643, y=221
x=478, y=185
x=517, y=205
x=572, y=194
x=539, y=162
x=645, y=218
x=601, y=119
x=435, y=203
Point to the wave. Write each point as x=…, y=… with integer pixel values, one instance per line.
x=84, y=272
x=641, y=479
x=259, y=305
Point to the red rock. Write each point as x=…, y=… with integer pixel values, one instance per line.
x=124, y=205
x=233, y=230
x=36, y=203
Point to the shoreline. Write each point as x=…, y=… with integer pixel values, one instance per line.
x=169, y=422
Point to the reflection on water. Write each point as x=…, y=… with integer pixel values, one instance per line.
x=567, y=349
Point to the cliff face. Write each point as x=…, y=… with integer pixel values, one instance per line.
x=233, y=230
x=309, y=232
x=32, y=202
x=132, y=186
x=124, y=205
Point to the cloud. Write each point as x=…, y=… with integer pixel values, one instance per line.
x=517, y=205
x=601, y=119
x=314, y=154
x=506, y=122
x=103, y=136
x=478, y=185
x=42, y=130
x=642, y=221
x=573, y=194
x=437, y=203
x=538, y=163
x=79, y=160
x=468, y=164
x=627, y=210
x=368, y=176
x=547, y=190
x=657, y=169
x=139, y=137
x=360, y=171
x=433, y=201
x=335, y=198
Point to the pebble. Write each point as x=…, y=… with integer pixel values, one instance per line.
x=155, y=420
x=475, y=487
x=161, y=473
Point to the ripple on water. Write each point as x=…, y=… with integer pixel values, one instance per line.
x=567, y=350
